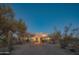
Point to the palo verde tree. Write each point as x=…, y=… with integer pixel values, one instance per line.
x=6, y=15
x=21, y=26
x=8, y=21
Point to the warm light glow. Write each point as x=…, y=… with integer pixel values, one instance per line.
x=44, y=35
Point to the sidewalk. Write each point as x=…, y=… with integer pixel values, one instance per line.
x=4, y=51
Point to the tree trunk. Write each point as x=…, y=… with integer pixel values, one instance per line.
x=10, y=39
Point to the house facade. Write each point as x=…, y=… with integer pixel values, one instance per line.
x=40, y=38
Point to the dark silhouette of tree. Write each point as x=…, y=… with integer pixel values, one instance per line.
x=21, y=26
x=8, y=22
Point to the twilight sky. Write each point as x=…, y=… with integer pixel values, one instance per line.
x=44, y=17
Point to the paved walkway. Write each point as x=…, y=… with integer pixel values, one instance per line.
x=48, y=49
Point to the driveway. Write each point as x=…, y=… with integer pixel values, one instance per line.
x=47, y=49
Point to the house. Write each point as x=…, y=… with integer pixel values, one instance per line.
x=40, y=38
